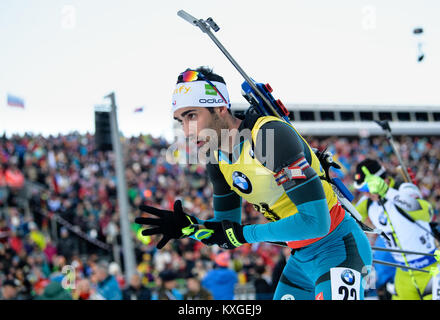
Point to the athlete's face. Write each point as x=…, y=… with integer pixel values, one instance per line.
x=196, y=121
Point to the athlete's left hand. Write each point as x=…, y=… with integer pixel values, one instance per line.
x=376, y=185
x=172, y=225
x=227, y=234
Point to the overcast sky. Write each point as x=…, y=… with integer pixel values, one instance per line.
x=63, y=57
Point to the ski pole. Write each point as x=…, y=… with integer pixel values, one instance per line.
x=386, y=127
x=436, y=253
x=390, y=264
x=433, y=270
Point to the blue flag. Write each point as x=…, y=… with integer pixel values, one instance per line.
x=139, y=109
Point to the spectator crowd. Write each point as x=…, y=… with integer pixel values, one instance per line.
x=59, y=219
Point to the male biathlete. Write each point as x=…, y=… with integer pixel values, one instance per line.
x=402, y=213
x=265, y=161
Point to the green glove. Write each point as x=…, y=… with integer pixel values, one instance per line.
x=376, y=185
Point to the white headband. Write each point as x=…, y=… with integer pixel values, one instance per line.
x=199, y=94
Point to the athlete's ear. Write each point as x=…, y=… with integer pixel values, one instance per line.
x=222, y=110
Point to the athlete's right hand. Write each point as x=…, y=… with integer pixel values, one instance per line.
x=172, y=225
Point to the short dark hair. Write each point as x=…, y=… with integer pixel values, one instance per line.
x=211, y=110
x=207, y=72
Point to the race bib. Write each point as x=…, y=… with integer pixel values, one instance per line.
x=345, y=283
